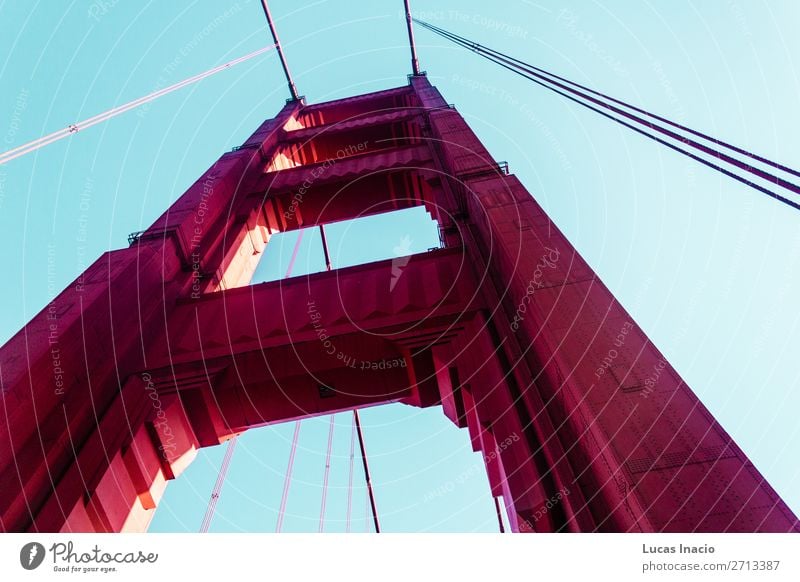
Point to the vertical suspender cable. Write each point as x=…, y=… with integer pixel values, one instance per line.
x=370, y=491
x=288, y=479
x=330, y=430
x=367, y=513
x=499, y=514
x=350, y=480
x=294, y=254
x=215, y=492
x=325, y=248
x=356, y=420
x=226, y=461
x=325, y=478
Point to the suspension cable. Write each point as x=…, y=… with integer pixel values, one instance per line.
x=215, y=492
x=276, y=40
x=294, y=254
x=330, y=430
x=326, y=476
x=705, y=149
x=367, y=513
x=370, y=491
x=350, y=479
x=287, y=481
x=669, y=122
x=410, y=26
x=526, y=71
x=99, y=118
x=712, y=139
x=499, y=515
x=661, y=141
x=226, y=461
x=356, y=423
x=325, y=247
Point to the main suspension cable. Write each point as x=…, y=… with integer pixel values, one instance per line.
x=99, y=118
x=669, y=122
x=412, y=45
x=284, y=64
x=526, y=72
x=712, y=139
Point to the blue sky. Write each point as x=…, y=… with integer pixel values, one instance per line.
x=707, y=267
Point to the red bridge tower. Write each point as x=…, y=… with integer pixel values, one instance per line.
x=163, y=347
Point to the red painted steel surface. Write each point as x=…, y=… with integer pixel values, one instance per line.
x=162, y=348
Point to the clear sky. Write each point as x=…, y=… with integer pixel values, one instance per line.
x=707, y=267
